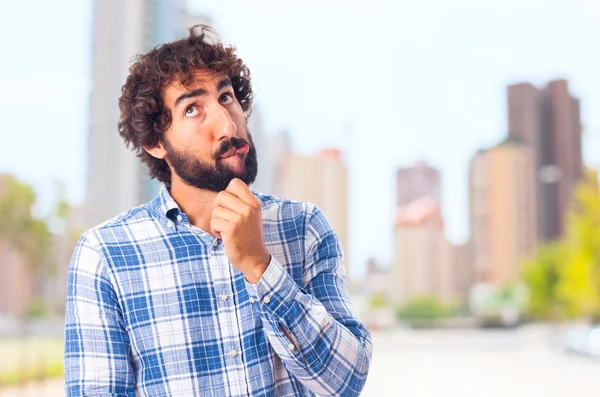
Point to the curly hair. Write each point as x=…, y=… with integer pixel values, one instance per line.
x=144, y=116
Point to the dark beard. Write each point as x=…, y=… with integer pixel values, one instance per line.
x=216, y=177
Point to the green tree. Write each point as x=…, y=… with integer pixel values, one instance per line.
x=579, y=279
x=22, y=231
x=542, y=276
x=423, y=308
x=377, y=301
x=564, y=276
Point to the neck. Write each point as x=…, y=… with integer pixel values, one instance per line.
x=195, y=203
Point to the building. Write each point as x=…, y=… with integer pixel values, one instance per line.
x=548, y=119
x=417, y=181
x=502, y=211
x=322, y=180
x=116, y=179
x=462, y=271
x=271, y=151
x=377, y=280
x=420, y=262
x=17, y=284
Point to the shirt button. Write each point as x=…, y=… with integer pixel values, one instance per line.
x=252, y=300
x=179, y=218
x=170, y=224
x=291, y=346
x=267, y=299
x=224, y=297
x=216, y=242
x=233, y=352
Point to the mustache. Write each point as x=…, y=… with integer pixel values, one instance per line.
x=235, y=143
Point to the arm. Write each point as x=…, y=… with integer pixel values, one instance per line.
x=96, y=342
x=330, y=349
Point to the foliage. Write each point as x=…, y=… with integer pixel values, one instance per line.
x=579, y=281
x=377, y=301
x=44, y=359
x=38, y=308
x=564, y=276
x=542, y=274
x=423, y=308
x=19, y=228
x=31, y=236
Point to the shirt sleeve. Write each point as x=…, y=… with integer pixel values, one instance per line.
x=96, y=341
x=331, y=349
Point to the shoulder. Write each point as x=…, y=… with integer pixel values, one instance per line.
x=282, y=210
x=273, y=206
x=117, y=229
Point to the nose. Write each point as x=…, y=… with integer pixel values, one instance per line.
x=222, y=125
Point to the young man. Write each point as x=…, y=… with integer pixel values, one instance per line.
x=210, y=289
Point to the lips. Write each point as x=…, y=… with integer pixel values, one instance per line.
x=245, y=148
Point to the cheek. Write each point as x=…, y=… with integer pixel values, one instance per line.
x=240, y=122
x=187, y=138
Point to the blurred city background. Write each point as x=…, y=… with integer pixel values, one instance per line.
x=453, y=145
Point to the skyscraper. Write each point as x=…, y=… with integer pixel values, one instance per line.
x=322, y=180
x=417, y=181
x=548, y=119
x=502, y=211
x=116, y=179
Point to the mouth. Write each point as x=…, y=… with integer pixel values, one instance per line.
x=243, y=149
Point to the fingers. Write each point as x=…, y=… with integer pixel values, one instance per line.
x=218, y=225
x=238, y=188
x=234, y=203
x=225, y=213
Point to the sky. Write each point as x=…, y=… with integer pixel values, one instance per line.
x=388, y=82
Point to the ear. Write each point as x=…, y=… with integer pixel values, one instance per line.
x=157, y=151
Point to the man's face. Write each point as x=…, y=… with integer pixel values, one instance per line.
x=208, y=143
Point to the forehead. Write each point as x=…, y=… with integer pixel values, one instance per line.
x=205, y=79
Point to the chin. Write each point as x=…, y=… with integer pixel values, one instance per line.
x=237, y=165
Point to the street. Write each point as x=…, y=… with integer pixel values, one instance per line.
x=462, y=363
x=475, y=362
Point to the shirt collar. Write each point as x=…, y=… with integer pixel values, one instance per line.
x=171, y=215
x=164, y=202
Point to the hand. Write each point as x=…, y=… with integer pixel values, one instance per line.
x=237, y=219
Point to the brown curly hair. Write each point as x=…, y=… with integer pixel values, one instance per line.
x=144, y=117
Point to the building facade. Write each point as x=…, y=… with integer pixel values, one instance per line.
x=502, y=211
x=548, y=119
x=417, y=181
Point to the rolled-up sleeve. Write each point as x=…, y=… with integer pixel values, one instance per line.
x=96, y=341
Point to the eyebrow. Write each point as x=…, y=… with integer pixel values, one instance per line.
x=202, y=92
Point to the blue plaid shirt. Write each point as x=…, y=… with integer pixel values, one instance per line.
x=154, y=308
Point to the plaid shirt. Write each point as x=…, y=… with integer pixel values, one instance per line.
x=154, y=308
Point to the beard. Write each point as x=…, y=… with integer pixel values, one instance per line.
x=215, y=178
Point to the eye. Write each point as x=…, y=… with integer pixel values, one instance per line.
x=226, y=98
x=191, y=111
